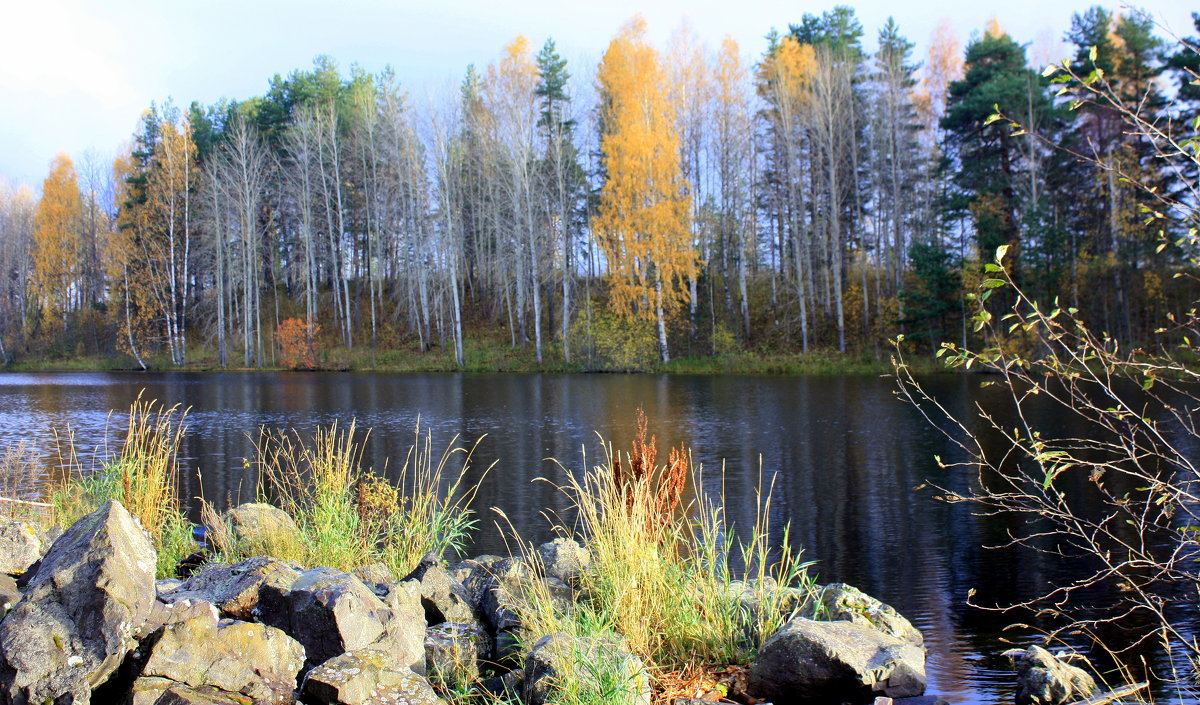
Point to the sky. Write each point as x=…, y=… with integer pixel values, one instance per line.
x=75, y=75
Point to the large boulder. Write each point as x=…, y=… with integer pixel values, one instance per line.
x=565, y=559
x=837, y=662
x=21, y=545
x=593, y=665
x=1044, y=679
x=254, y=660
x=367, y=677
x=839, y=601
x=331, y=612
x=262, y=528
x=79, y=614
x=234, y=589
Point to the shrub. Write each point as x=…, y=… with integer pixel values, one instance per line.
x=297, y=343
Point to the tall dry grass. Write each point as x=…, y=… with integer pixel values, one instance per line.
x=670, y=577
x=22, y=486
x=350, y=515
x=143, y=476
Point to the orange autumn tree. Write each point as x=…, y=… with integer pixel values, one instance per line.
x=643, y=219
x=57, y=243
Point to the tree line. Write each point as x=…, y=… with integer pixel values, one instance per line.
x=675, y=201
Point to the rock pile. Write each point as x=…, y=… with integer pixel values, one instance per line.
x=92, y=624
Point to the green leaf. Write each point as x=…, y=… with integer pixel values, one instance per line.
x=994, y=117
x=1049, y=71
x=991, y=268
x=993, y=283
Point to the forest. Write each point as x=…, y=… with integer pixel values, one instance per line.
x=686, y=202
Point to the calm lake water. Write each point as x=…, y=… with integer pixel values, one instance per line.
x=846, y=455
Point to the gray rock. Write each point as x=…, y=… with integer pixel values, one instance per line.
x=160, y=691
x=590, y=664
x=445, y=599
x=565, y=559
x=504, y=585
x=9, y=595
x=495, y=588
x=77, y=619
x=165, y=586
x=506, y=687
x=331, y=612
x=367, y=677
x=838, y=601
x=254, y=660
x=1044, y=679
x=455, y=652
x=260, y=526
x=21, y=545
x=234, y=589
x=374, y=574
x=837, y=662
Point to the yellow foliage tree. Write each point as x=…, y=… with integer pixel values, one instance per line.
x=57, y=243
x=643, y=218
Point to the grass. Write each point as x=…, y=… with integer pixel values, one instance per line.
x=491, y=351
x=143, y=477
x=348, y=515
x=662, y=579
x=21, y=486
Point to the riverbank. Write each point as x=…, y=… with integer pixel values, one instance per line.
x=501, y=358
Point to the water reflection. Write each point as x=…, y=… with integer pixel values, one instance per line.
x=845, y=456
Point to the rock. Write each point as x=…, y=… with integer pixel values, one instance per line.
x=9, y=595
x=837, y=662
x=160, y=691
x=234, y=589
x=331, y=612
x=254, y=660
x=565, y=559
x=166, y=586
x=504, y=585
x=1044, y=679
x=374, y=574
x=367, y=677
x=838, y=601
x=445, y=599
x=77, y=619
x=21, y=545
x=592, y=664
x=506, y=687
x=261, y=526
x=494, y=589
x=427, y=561
x=454, y=652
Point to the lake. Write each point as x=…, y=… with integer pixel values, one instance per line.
x=848, y=460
